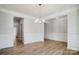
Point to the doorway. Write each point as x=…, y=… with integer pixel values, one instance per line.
x=19, y=37
x=56, y=29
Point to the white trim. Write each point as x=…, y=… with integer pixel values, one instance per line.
x=76, y=49
x=15, y=13
x=33, y=37
x=57, y=36
x=7, y=40
x=65, y=12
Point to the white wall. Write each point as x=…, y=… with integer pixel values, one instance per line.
x=6, y=30
x=73, y=40
x=72, y=27
x=57, y=29
x=32, y=32
x=35, y=32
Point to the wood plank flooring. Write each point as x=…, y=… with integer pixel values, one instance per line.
x=49, y=47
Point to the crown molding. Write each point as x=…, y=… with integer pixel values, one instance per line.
x=18, y=14
x=65, y=12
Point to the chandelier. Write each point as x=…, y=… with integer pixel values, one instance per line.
x=40, y=19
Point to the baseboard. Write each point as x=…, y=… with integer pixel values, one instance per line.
x=57, y=36
x=73, y=48
x=55, y=40
x=33, y=37
x=7, y=40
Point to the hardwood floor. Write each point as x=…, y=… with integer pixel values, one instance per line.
x=18, y=41
x=49, y=47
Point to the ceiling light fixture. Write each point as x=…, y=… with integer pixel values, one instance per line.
x=40, y=19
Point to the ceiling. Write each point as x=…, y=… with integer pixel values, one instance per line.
x=35, y=10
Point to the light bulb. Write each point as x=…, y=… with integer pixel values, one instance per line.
x=36, y=20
